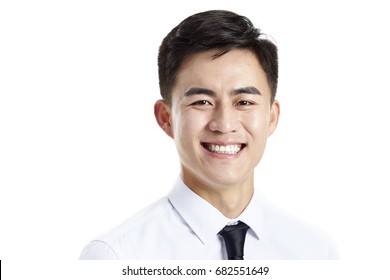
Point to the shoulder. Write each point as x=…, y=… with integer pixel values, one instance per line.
x=120, y=241
x=301, y=239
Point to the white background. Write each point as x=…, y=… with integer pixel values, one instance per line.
x=80, y=150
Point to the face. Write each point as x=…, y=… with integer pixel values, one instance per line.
x=220, y=118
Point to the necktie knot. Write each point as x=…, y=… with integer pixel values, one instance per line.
x=234, y=237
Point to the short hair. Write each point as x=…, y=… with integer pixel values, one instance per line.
x=216, y=29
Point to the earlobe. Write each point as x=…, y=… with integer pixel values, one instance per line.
x=274, y=117
x=162, y=113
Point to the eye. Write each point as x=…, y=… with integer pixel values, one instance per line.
x=201, y=103
x=244, y=103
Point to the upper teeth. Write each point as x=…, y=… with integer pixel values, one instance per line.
x=229, y=149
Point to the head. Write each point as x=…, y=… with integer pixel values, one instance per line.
x=219, y=30
x=218, y=81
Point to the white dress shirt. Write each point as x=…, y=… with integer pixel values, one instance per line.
x=184, y=226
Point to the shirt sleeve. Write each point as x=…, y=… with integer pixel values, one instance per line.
x=98, y=250
x=332, y=250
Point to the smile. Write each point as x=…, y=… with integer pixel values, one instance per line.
x=222, y=149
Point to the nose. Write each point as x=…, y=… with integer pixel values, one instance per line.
x=224, y=120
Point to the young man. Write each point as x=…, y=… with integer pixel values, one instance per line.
x=218, y=79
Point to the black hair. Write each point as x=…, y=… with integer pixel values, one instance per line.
x=220, y=30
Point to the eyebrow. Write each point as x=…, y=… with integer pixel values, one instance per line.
x=209, y=92
x=195, y=91
x=247, y=90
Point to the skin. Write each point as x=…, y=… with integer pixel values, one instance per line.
x=222, y=101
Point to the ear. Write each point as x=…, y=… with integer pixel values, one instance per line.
x=274, y=117
x=162, y=112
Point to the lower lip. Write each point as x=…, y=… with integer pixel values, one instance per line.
x=223, y=156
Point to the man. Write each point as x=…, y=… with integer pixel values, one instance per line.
x=218, y=79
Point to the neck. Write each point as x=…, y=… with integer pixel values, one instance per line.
x=230, y=200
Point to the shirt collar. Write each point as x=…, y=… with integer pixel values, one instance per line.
x=206, y=220
x=253, y=215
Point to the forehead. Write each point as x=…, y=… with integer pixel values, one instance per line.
x=236, y=68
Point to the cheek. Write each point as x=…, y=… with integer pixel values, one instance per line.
x=188, y=126
x=257, y=125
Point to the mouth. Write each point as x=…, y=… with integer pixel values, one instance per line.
x=224, y=149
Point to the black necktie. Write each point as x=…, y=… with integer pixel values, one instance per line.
x=234, y=237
